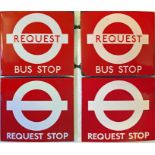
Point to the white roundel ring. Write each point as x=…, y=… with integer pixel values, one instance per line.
x=99, y=105
x=42, y=18
x=101, y=50
x=17, y=105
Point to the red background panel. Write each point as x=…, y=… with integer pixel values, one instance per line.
x=65, y=123
x=65, y=56
x=90, y=123
x=90, y=59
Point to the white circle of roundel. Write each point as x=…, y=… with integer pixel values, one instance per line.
x=138, y=105
x=101, y=50
x=17, y=105
x=42, y=18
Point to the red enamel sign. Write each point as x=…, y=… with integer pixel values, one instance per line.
x=37, y=43
x=37, y=109
x=117, y=43
x=118, y=109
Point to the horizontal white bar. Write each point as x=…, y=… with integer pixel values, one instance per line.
x=91, y=38
x=36, y=105
x=63, y=38
x=119, y=105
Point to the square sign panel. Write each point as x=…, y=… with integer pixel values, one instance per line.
x=117, y=43
x=37, y=43
x=117, y=110
x=37, y=109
